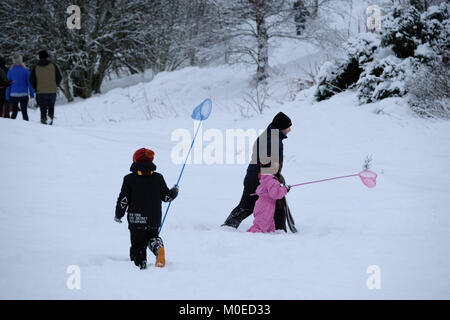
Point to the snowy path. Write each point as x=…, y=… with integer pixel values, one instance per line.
x=58, y=187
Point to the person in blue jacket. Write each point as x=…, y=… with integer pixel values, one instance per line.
x=20, y=89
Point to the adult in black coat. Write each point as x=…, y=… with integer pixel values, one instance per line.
x=142, y=193
x=301, y=15
x=267, y=149
x=4, y=83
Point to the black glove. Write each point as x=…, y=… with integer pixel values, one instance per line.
x=288, y=188
x=117, y=220
x=175, y=191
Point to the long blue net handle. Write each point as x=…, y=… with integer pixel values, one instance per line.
x=201, y=112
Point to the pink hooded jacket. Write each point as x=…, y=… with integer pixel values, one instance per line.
x=269, y=190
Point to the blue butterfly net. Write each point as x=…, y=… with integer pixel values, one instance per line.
x=203, y=110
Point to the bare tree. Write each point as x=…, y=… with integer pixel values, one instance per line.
x=111, y=32
x=250, y=24
x=115, y=36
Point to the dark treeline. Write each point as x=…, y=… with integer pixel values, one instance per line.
x=115, y=35
x=133, y=35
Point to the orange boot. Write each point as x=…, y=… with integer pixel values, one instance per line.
x=160, y=259
x=157, y=247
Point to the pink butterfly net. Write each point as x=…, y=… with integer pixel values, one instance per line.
x=369, y=179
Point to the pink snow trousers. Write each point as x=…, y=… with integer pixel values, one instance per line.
x=269, y=191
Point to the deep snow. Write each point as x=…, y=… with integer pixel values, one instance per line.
x=58, y=187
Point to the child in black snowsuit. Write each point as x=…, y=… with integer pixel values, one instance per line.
x=142, y=193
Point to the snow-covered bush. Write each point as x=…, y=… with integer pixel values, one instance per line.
x=429, y=89
x=402, y=30
x=436, y=21
x=362, y=47
x=412, y=57
x=429, y=82
x=382, y=79
x=336, y=77
x=424, y=53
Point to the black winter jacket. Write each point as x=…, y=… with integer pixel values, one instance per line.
x=4, y=82
x=142, y=192
x=263, y=147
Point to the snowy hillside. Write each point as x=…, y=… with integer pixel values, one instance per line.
x=59, y=184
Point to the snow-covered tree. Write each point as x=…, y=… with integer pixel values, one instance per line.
x=412, y=59
x=251, y=24
x=111, y=31
x=428, y=84
x=247, y=24
x=337, y=76
x=402, y=31
x=383, y=78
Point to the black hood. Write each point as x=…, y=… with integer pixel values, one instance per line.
x=143, y=166
x=281, y=121
x=3, y=64
x=43, y=62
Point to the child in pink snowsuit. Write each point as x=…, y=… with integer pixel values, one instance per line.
x=269, y=191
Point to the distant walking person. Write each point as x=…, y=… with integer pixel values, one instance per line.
x=20, y=88
x=45, y=78
x=4, y=83
x=301, y=15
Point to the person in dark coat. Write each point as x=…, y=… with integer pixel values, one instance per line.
x=4, y=83
x=267, y=149
x=142, y=193
x=45, y=79
x=301, y=15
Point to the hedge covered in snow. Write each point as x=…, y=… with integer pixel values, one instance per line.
x=380, y=65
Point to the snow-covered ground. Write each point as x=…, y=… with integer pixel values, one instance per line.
x=59, y=184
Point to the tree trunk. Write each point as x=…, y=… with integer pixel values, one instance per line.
x=66, y=88
x=97, y=83
x=262, y=40
x=315, y=9
x=81, y=84
x=192, y=56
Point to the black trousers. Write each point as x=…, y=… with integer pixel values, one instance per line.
x=23, y=101
x=46, y=102
x=4, y=106
x=247, y=204
x=140, y=239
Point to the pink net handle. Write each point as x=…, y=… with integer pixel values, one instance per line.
x=369, y=178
